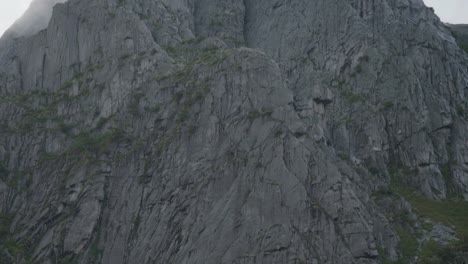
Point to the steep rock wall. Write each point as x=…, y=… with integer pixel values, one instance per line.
x=226, y=131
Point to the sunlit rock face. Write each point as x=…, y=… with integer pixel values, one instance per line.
x=34, y=19
x=214, y=131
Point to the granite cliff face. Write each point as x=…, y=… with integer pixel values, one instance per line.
x=214, y=131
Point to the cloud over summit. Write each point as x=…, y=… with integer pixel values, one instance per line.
x=35, y=18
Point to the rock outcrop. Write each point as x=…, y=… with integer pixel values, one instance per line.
x=213, y=131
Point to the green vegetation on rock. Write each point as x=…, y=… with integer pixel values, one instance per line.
x=460, y=33
x=10, y=248
x=450, y=212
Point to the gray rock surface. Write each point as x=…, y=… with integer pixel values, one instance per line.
x=213, y=131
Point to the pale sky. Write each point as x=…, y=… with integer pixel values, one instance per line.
x=10, y=10
x=451, y=11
